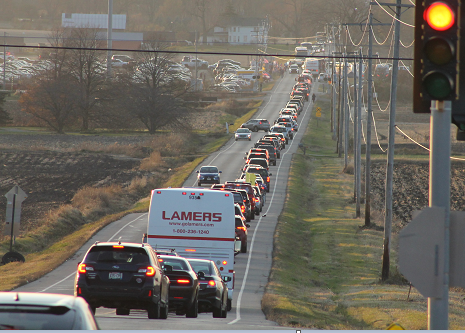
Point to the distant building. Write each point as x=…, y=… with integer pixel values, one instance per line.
x=99, y=21
x=240, y=30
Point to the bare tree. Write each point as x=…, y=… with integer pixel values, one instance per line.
x=86, y=69
x=50, y=101
x=151, y=93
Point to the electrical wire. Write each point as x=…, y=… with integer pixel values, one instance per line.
x=420, y=145
x=405, y=23
x=363, y=35
x=376, y=133
x=411, y=44
x=388, y=35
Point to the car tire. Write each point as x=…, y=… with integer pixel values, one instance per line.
x=252, y=216
x=164, y=312
x=247, y=218
x=193, y=310
x=236, y=139
x=12, y=256
x=153, y=310
x=250, y=139
x=243, y=247
x=122, y=312
x=229, y=307
x=217, y=312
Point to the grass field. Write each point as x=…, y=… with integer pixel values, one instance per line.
x=333, y=281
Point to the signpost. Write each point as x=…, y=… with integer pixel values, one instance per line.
x=14, y=198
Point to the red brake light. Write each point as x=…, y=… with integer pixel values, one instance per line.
x=224, y=262
x=183, y=281
x=268, y=179
x=149, y=270
x=118, y=246
x=243, y=209
x=212, y=283
x=241, y=228
x=82, y=268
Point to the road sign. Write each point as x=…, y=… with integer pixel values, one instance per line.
x=14, y=199
x=421, y=251
x=318, y=112
x=457, y=249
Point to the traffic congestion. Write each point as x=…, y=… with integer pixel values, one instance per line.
x=186, y=265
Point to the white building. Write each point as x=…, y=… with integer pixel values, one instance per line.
x=99, y=21
x=240, y=30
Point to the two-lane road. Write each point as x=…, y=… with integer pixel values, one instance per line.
x=252, y=268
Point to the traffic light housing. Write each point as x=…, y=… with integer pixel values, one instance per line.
x=436, y=63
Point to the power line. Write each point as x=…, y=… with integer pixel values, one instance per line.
x=190, y=52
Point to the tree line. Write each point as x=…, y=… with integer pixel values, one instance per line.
x=75, y=90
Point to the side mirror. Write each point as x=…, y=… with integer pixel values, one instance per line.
x=270, y=174
x=247, y=225
x=197, y=171
x=220, y=171
x=227, y=278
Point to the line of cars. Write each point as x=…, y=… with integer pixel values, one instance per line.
x=126, y=276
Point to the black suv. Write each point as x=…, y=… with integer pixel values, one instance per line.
x=124, y=276
x=257, y=124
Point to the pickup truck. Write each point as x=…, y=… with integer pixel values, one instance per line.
x=190, y=61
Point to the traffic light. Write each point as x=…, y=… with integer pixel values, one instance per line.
x=436, y=72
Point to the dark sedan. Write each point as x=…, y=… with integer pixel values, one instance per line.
x=184, y=285
x=213, y=295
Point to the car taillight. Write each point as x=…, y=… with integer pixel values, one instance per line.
x=211, y=283
x=243, y=209
x=183, y=281
x=241, y=228
x=83, y=268
x=149, y=271
x=268, y=179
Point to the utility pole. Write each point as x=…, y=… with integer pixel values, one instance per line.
x=390, y=157
x=195, y=84
x=345, y=111
x=109, y=36
x=4, y=61
x=358, y=158
x=368, y=136
x=339, y=121
x=355, y=115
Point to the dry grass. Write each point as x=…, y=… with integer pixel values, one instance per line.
x=152, y=162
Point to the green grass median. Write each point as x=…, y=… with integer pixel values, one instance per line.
x=326, y=271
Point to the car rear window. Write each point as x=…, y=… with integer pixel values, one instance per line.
x=177, y=264
x=36, y=317
x=209, y=170
x=201, y=266
x=125, y=255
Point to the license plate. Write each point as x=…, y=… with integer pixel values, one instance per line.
x=115, y=276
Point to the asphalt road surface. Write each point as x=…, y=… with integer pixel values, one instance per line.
x=252, y=268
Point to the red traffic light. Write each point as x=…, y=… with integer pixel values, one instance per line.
x=440, y=16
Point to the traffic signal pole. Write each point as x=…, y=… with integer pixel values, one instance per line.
x=439, y=196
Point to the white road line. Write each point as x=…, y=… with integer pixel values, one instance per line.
x=72, y=274
x=249, y=258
